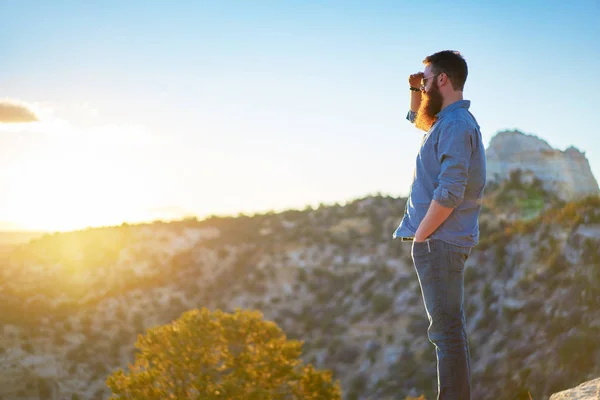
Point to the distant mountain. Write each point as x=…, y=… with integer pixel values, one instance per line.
x=566, y=173
x=10, y=226
x=15, y=237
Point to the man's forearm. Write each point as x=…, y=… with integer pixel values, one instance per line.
x=415, y=101
x=436, y=215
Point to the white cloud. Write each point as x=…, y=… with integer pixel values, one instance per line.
x=42, y=120
x=15, y=112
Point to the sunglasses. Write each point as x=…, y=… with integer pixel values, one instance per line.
x=424, y=80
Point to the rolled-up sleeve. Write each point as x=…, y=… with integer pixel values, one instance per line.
x=455, y=147
x=411, y=116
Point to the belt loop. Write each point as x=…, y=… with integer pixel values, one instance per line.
x=428, y=247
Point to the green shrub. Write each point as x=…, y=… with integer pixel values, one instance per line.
x=381, y=303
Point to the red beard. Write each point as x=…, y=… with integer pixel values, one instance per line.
x=431, y=104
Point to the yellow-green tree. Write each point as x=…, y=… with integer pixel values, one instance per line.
x=217, y=355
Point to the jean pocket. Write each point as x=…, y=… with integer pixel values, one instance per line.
x=421, y=248
x=456, y=260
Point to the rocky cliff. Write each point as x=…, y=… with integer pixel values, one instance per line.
x=566, y=173
x=586, y=391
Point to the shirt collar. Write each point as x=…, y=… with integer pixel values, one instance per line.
x=451, y=107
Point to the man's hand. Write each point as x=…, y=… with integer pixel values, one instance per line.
x=414, y=80
x=436, y=215
x=418, y=238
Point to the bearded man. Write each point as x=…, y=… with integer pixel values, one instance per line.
x=441, y=218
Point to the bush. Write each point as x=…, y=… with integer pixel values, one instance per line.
x=557, y=262
x=27, y=347
x=346, y=354
x=382, y=303
x=217, y=355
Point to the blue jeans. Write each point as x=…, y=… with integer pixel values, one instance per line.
x=440, y=268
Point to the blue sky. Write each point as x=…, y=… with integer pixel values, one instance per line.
x=238, y=106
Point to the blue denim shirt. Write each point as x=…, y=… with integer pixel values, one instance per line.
x=451, y=169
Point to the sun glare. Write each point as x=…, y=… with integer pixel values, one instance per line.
x=72, y=183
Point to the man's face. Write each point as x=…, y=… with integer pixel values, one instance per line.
x=431, y=101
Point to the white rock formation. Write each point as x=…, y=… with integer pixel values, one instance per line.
x=586, y=391
x=567, y=173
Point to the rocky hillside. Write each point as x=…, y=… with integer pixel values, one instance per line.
x=566, y=173
x=73, y=303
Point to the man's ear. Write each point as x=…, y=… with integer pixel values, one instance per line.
x=445, y=79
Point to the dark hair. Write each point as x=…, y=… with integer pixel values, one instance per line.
x=452, y=63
